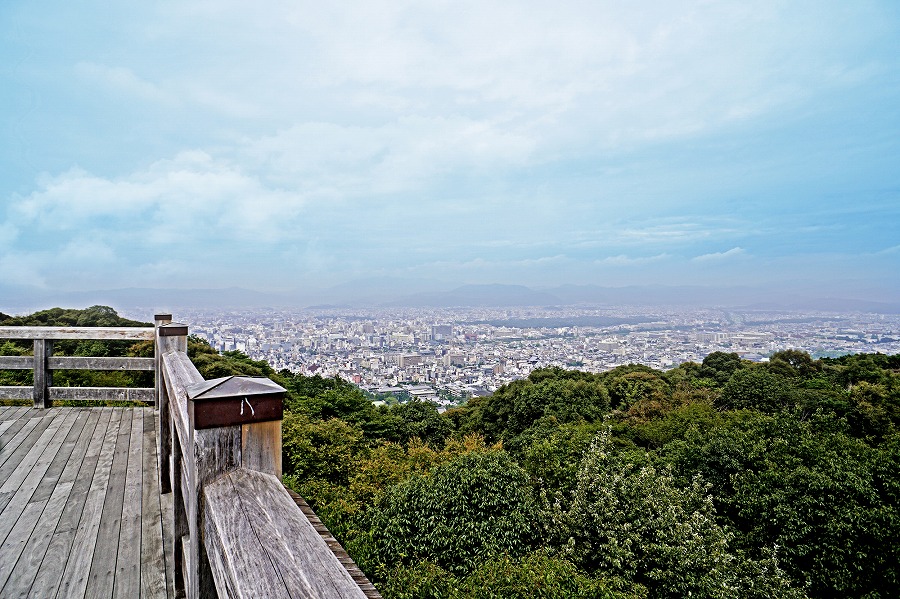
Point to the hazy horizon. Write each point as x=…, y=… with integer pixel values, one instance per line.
x=290, y=146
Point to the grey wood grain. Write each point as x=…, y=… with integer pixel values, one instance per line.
x=27, y=565
x=12, y=439
x=127, y=576
x=248, y=512
x=75, y=577
x=143, y=394
x=22, y=445
x=99, y=333
x=15, y=542
x=240, y=564
x=16, y=392
x=16, y=362
x=99, y=363
x=103, y=565
x=59, y=551
x=153, y=550
x=24, y=481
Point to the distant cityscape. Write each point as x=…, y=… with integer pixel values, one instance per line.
x=450, y=355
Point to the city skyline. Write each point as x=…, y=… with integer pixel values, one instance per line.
x=294, y=146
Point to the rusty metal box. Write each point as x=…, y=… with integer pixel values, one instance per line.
x=235, y=400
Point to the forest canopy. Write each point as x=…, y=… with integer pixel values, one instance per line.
x=721, y=479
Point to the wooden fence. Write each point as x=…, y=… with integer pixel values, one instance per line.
x=43, y=362
x=237, y=532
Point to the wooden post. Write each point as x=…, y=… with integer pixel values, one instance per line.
x=164, y=422
x=159, y=319
x=261, y=447
x=43, y=376
x=171, y=337
x=235, y=420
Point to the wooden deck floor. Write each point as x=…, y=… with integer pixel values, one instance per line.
x=80, y=509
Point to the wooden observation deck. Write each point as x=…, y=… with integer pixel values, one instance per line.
x=148, y=502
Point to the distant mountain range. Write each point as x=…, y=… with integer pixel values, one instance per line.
x=431, y=294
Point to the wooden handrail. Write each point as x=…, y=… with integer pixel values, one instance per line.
x=237, y=532
x=43, y=362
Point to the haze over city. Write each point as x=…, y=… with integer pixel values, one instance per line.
x=320, y=151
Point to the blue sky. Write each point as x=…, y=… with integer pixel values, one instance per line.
x=282, y=145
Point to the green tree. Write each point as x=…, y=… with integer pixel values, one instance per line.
x=755, y=389
x=477, y=506
x=630, y=518
x=808, y=488
x=719, y=366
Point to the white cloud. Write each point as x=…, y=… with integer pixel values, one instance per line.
x=623, y=260
x=734, y=252
x=191, y=194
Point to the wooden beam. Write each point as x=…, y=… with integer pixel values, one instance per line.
x=43, y=376
x=16, y=392
x=179, y=373
x=100, y=363
x=260, y=544
x=159, y=320
x=16, y=362
x=102, y=333
x=144, y=394
x=261, y=447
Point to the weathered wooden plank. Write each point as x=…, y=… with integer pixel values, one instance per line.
x=14, y=543
x=297, y=549
x=16, y=362
x=240, y=565
x=165, y=505
x=15, y=412
x=103, y=565
x=16, y=392
x=75, y=577
x=99, y=363
x=26, y=477
x=153, y=550
x=28, y=563
x=164, y=434
x=297, y=554
x=51, y=477
x=180, y=373
x=6, y=437
x=179, y=515
x=99, y=333
x=83, y=462
x=14, y=449
x=215, y=451
x=36, y=452
x=127, y=581
x=12, y=413
x=144, y=394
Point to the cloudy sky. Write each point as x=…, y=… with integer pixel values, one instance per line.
x=277, y=145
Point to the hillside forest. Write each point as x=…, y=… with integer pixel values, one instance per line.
x=720, y=479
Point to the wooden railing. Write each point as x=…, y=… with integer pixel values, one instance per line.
x=43, y=362
x=237, y=532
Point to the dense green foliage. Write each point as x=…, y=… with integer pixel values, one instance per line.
x=721, y=479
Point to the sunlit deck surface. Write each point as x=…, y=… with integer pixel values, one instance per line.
x=80, y=510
